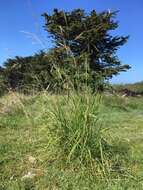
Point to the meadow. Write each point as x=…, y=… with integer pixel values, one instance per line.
x=76, y=141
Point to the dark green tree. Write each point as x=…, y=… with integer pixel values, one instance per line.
x=26, y=72
x=84, y=55
x=3, y=82
x=88, y=36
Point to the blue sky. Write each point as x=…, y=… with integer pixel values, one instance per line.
x=22, y=34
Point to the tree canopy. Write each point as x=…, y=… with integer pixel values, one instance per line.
x=89, y=35
x=84, y=53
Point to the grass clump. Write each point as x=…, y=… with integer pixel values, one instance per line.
x=76, y=125
x=81, y=132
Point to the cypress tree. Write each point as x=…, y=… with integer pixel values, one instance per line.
x=88, y=35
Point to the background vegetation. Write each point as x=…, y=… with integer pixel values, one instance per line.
x=84, y=54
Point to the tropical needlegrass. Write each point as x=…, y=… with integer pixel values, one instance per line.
x=80, y=130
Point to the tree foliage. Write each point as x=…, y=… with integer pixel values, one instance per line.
x=85, y=53
x=89, y=35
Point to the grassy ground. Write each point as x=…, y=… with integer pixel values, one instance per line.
x=136, y=87
x=35, y=153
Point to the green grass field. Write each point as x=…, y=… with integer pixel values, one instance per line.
x=81, y=142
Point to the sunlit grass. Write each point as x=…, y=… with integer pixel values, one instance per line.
x=78, y=142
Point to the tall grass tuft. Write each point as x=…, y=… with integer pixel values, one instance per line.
x=80, y=131
x=76, y=122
